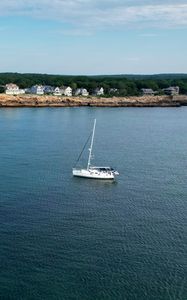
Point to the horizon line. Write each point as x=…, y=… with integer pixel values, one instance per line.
x=90, y=75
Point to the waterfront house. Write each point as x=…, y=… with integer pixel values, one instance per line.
x=66, y=91
x=147, y=92
x=13, y=89
x=57, y=91
x=171, y=90
x=113, y=91
x=98, y=91
x=37, y=89
x=81, y=92
x=48, y=89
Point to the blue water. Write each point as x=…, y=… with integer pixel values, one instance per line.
x=71, y=238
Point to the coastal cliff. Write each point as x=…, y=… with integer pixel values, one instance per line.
x=56, y=101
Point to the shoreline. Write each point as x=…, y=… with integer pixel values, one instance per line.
x=60, y=101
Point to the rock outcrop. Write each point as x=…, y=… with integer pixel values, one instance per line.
x=56, y=101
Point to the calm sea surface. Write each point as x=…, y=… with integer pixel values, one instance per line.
x=71, y=238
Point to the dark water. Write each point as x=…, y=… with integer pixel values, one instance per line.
x=68, y=238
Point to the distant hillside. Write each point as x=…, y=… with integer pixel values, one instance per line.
x=125, y=84
x=142, y=76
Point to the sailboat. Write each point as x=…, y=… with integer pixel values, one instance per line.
x=93, y=171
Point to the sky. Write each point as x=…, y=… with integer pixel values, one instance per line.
x=89, y=37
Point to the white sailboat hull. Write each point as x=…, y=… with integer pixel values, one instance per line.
x=93, y=174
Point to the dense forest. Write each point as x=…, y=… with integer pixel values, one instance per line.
x=123, y=85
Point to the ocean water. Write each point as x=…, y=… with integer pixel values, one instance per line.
x=71, y=238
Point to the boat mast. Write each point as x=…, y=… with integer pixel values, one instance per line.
x=91, y=146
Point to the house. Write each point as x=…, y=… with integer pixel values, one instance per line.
x=113, y=91
x=37, y=89
x=48, y=89
x=81, y=92
x=147, y=92
x=66, y=91
x=98, y=91
x=57, y=91
x=13, y=89
x=171, y=90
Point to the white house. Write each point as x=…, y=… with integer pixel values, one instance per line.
x=66, y=91
x=99, y=91
x=37, y=89
x=81, y=92
x=13, y=89
x=57, y=91
x=148, y=92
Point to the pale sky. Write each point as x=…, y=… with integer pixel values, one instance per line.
x=93, y=37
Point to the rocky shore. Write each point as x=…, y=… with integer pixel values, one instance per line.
x=55, y=101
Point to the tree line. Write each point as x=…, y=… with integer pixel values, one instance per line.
x=122, y=85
